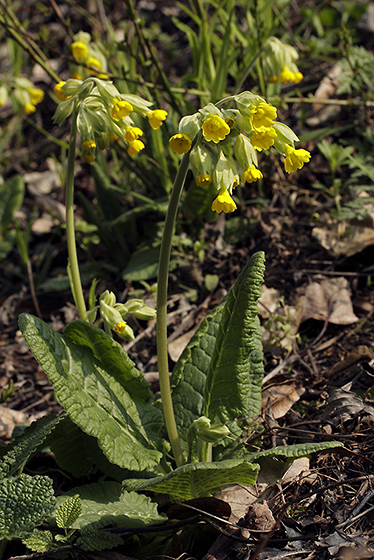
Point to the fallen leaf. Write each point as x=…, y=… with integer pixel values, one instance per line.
x=281, y=397
x=10, y=418
x=268, y=302
x=355, y=239
x=328, y=300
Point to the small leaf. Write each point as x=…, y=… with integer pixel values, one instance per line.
x=39, y=541
x=142, y=264
x=68, y=512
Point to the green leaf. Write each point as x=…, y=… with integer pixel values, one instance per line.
x=78, y=453
x=294, y=451
x=189, y=375
x=233, y=384
x=25, y=501
x=27, y=444
x=196, y=480
x=143, y=264
x=11, y=197
x=112, y=357
x=39, y=541
x=68, y=512
x=94, y=398
x=92, y=539
x=106, y=503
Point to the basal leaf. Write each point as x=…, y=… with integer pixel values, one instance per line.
x=112, y=357
x=189, y=375
x=95, y=400
x=233, y=384
x=106, y=503
x=196, y=480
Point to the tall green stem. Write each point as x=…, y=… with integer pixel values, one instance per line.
x=70, y=229
x=162, y=287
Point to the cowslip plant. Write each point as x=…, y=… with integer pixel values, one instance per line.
x=188, y=442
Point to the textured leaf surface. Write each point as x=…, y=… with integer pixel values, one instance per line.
x=25, y=501
x=106, y=503
x=95, y=400
x=189, y=376
x=294, y=451
x=111, y=356
x=27, y=444
x=68, y=512
x=196, y=480
x=233, y=384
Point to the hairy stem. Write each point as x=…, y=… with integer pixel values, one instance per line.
x=162, y=287
x=70, y=229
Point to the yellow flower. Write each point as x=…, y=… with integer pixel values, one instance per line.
x=203, y=180
x=36, y=95
x=133, y=133
x=251, y=174
x=156, y=118
x=236, y=182
x=215, y=129
x=180, y=143
x=272, y=79
x=121, y=109
x=92, y=62
x=286, y=75
x=135, y=147
x=223, y=202
x=59, y=92
x=89, y=158
x=295, y=159
x=76, y=76
x=113, y=137
x=298, y=76
x=89, y=144
x=263, y=140
x=79, y=50
x=120, y=327
x=29, y=108
x=261, y=117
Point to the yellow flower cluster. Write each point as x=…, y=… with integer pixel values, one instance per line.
x=22, y=94
x=103, y=114
x=213, y=134
x=89, y=58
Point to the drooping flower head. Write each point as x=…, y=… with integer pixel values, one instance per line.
x=223, y=202
x=261, y=117
x=180, y=143
x=295, y=159
x=263, y=140
x=215, y=129
x=156, y=118
x=203, y=179
x=251, y=174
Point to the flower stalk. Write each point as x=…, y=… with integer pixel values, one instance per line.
x=70, y=229
x=162, y=287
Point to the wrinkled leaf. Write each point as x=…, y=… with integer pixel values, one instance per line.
x=106, y=503
x=95, y=400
